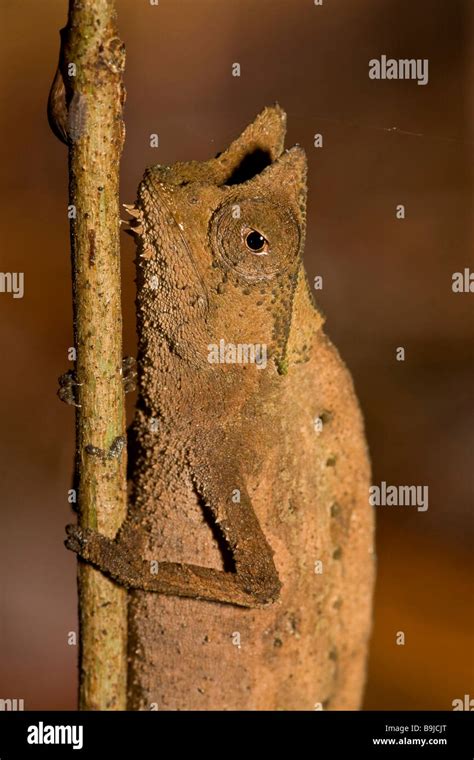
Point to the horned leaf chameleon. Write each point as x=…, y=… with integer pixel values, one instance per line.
x=248, y=546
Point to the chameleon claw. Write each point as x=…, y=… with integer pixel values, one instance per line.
x=75, y=541
x=86, y=543
x=129, y=373
x=136, y=213
x=66, y=391
x=134, y=230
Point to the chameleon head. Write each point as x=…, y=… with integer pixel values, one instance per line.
x=220, y=244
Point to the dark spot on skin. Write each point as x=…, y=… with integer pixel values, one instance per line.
x=246, y=291
x=277, y=643
x=337, y=603
x=335, y=509
x=337, y=553
x=331, y=462
x=220, y=288
x=326, y=415
x=293, y=621
x=100, y=188
x=333, y=654
x=259, y=303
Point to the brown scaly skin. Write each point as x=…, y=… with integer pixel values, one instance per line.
x=287, y=569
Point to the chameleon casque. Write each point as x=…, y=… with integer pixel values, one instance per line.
x=248, y=546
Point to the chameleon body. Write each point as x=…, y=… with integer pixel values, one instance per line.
x=248, y=547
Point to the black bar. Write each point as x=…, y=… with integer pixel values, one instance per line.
x=303, y=734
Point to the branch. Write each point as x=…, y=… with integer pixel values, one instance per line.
x=85, y=110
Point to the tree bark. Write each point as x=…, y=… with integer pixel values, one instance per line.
x=86, y=111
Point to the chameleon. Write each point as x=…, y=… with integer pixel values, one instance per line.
x=247, y=550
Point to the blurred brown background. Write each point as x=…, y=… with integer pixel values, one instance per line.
x=387, y=283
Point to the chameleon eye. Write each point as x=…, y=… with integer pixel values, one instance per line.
x=255, y=242
x=244, y=226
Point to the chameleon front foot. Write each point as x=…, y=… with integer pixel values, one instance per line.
x=67, y=388
x=116, y=560
x=129, y=373
x=102, y=552
x=67, y=382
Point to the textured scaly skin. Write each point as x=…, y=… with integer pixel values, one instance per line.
x=201, y=427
